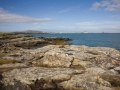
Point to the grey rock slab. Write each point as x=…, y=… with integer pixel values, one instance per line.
x=29, y=75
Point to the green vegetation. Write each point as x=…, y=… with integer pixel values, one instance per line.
x=40, y=65
x=117, y=88
x=2, y=54
x=7, y=61
x=5, y=69
x=93, y=52
x=60, y=42
x=5, y=34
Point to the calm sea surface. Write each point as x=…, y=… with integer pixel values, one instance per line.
x=90, y=39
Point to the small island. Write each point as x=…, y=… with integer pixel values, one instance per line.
x=56, y=64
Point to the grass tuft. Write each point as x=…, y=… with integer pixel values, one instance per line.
x=117, y=88
x=40, y=65
x=60, y=42
x=7, y=61
x=2, y=54
x=2, y=34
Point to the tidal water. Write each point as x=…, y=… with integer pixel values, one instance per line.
x=89, y=39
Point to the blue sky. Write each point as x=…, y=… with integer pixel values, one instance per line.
x=60, y=15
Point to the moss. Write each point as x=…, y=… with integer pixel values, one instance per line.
x=60, y=42
x=40, y=65
x=2, y=54
x=38, y=56
x=117, y=88
x=113, y=79
x=5, y=69
x=7, y=61
x=93, y=52
x=3, y=34
x=78, y=67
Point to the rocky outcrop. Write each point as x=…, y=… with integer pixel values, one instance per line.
x=47, y=78
x=7, y=47
x=16, y=42
x=62, y=67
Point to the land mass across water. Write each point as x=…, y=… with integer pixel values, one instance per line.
x=56, y=65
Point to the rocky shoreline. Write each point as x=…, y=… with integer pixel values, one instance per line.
x=57, y=65
x=17, y=41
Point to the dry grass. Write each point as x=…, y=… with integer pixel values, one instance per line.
x=117, y=88
x=60, y=42
x=113, y=79
x=38, y=56
x=7, y=61
x=2, y=54
x=78, y=67
x=40, y=65
x=5, y=69
x=93, y=52
x=3, y=34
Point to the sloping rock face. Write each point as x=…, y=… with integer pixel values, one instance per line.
x=62, y=67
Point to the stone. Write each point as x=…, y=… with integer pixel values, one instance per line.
x=95, y=71
x=47, y=77
x=85, y=82
x=114, y=80
x=117, y=69
x=58, y=67
x=80, y=62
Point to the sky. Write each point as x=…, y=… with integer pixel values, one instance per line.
x=65, y=16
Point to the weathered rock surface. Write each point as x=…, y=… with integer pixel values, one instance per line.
x=15, y=42
x=53, y=78
x=62, y=67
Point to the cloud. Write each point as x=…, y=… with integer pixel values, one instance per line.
x=94, y=23
x=68, y=9
x=108, y=26
x=107, y=5
x=116, y=16
x=5, y=25
x=95, y=5
x=9, y=17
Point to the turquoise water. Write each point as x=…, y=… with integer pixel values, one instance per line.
x=90, y=39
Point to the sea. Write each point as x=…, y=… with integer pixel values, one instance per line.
x=89, y=39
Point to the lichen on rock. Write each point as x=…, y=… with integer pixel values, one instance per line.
x=58, y=67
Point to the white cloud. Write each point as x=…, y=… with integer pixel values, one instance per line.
x=108, y=26
x=107, y=5
x=68, y=9
x=116, y=16
x=95, y=5
x=9, y=17
x=86, y=23
x=92, y=26
x=95, y=23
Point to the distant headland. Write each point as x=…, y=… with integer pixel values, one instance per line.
x=31, y=31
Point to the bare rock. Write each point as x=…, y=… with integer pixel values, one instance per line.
x=117, y=69
x=42, y=78
x=64, y=67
